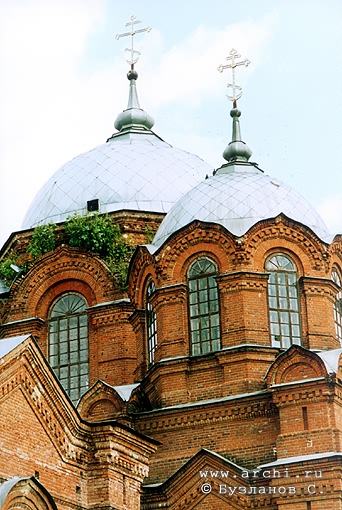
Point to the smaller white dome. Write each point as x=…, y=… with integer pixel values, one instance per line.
x=237, y=199
x=239, y=195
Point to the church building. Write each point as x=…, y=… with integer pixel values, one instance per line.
x=170, y=335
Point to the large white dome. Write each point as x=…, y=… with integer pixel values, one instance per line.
x=238, y=196
x=134, y=170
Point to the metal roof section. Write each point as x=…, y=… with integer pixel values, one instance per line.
x=136, y=172
x=8, y=344
x=301, y=458
x=125, y=391
x=238, y=200
x=330, y=359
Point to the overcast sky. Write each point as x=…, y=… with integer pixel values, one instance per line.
x=63, y=82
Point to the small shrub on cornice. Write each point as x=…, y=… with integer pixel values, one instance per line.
x=93, y=232
x=149, y=234
x=43, y=240
x=98, y=234
x=118, y=264
x=6, y=272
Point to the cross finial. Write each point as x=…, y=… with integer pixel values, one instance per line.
x=237, y=90
x=134, y=53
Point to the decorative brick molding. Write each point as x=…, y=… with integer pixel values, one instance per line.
x=295, y=364
x=283, y=233
x=65, y=269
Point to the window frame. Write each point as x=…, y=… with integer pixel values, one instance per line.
x=285, y=318
x=205, y=325
x=336, y=278
x=68, y=343
x=151, y=323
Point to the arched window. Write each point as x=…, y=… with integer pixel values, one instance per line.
x=283, y=300
x=204, y=313
x=151, y=324
x=68, y=344
x=337, y=305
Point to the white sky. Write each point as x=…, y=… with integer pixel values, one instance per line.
x=63, y=82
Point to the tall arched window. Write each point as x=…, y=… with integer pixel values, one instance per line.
x=337, y=305
x=204, y=313
x=151, y=324
x=68, y=344
x=283, y=300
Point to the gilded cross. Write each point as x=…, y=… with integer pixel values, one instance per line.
x=134, y=53
x=237, y=90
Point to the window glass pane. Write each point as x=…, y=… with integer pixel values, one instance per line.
x=203, y=296
x=275, y=329
x=273, y=302
x=74, y=357
x=53, y=349
x=295, y=331
x=84, y=332
x=63, y=336
x=64, y=359
x=285, y=330
x=53, y=361
x=215, y=335
x=283, y=303
x=73, y=322
x=63, y=347
x=63, y=325
x=64, y=373
x=294, y=318
x=195, y=324
x=193, y=310
x=192, y=285
x=272, y=290
x=83, y=355
x=204, y=308
x=73, y=345
x=73, y=333
x=193, y=298
x=292, y=278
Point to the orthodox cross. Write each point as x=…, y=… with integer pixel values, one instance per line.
x=237, y=90
x=134, y=53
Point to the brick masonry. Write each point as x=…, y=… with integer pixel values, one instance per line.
x=247, y=405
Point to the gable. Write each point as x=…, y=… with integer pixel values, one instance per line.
x=25, y=438
x=207, y=481
x=25, y=493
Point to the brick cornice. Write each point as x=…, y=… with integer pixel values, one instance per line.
x=175, y=293
x=318, y=286
x=110, y=313
x=207, y=413
x=242, y=280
